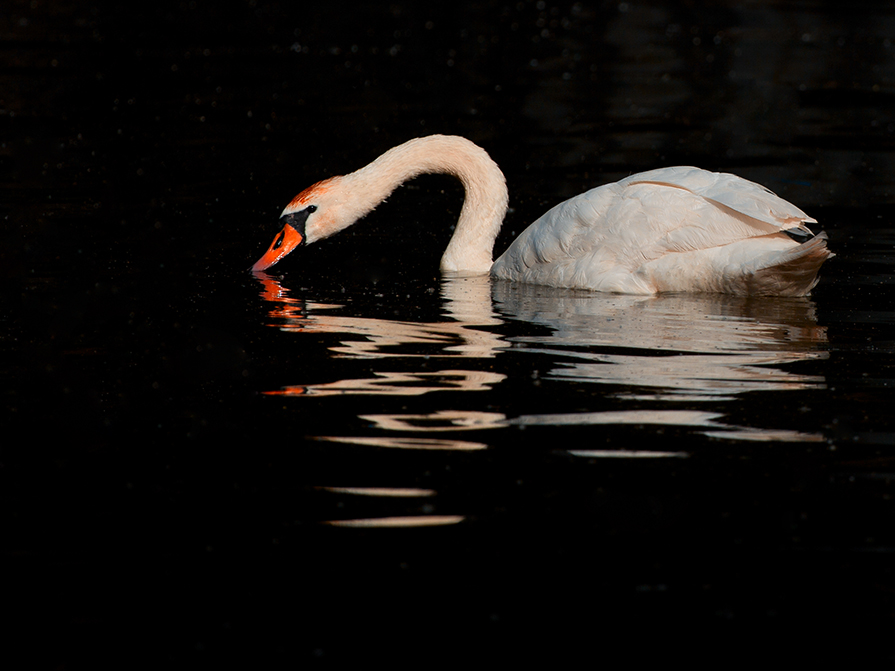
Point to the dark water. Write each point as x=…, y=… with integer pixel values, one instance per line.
x=355, y=458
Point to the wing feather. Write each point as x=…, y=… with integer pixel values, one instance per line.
x=740, y=195
x=607, y=238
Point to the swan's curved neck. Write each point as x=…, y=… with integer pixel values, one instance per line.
x=471, y=246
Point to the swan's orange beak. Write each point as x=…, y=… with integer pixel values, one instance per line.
x=286, y=240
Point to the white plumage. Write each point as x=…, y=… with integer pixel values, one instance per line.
x=667, y=230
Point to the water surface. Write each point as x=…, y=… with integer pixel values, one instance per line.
x=354, y=457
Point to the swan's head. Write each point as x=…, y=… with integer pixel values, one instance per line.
x=314, y=214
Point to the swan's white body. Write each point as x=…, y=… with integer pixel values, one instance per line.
x=672, y=229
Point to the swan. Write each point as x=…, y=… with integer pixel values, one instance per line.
x=679, y=229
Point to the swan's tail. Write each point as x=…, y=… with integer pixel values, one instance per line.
x=794, y=271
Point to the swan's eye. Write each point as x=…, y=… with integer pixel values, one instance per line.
x=297, y=220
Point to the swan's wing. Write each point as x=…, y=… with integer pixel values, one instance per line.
x=593, y=240
x=632, y=222
x=740, y=195
x=604, y=238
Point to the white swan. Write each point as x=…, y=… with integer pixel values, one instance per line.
x=672, y=229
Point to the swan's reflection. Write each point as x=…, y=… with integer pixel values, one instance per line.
x=681, y=348
x=393, y=522
x=670, y=347
x=708, y=423
x=467, y=305
x=670, y=353
x=408, y=442
x=398, y=384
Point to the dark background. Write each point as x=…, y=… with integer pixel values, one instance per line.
x=156, y=509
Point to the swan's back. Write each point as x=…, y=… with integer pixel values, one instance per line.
x=673, y=229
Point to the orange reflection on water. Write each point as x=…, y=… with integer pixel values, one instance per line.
x=282, y=306
x=467, y=304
